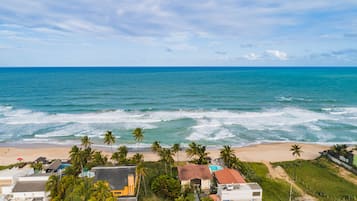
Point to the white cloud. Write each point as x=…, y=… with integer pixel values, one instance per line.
x=277, y=54
x=252, y=56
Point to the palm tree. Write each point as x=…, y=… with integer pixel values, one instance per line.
x=109, y=139
x=176, y=149
x=340, y=150
x=86, y=142
x=296, y=152
x=198, y=151
x=138, y=158
x=227, y=154
x=120, y=155
x=138, y=134
x=156, y=147
x=166, y=156
x=101, y=192
x=141, y=170
x=52, y=185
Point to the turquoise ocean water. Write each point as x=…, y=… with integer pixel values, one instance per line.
x=214, y=106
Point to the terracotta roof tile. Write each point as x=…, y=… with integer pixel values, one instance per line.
x=229, y=176
x=192, y=171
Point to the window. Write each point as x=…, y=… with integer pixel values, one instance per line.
x=256, y=193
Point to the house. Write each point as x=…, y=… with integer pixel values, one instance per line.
x=42, y=160
x=228, y=176
x=195, y=175
x=9, y=177
x=54, y=166
x=31, y=187
x=122, y=180
x=232, y=186
x=239, y=192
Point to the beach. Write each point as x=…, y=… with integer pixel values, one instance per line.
x=270, y=152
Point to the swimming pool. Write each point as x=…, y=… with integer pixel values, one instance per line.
x=63, y=166
x=214, y=168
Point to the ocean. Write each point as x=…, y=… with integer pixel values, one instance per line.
x=209, y=105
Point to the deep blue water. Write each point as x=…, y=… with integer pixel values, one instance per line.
x=211, y=105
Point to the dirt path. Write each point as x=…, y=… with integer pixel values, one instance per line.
x=349, y=176
x=279, y=173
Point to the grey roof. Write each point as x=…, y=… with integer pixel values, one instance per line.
x=117, y=177
x=29, y=186
x=54, y=165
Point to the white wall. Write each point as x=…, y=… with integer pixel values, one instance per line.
x=24, y=195
x=205, y=184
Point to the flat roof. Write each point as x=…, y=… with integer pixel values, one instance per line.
x=29, y=186
x=117, y=177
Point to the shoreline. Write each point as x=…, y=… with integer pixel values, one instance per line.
x=264, y=152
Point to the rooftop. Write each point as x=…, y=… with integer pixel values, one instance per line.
x=192, y=171
x=240, y=187
x=54, y=166
x=229, y=176
x=16, y=172
x=117, y=177
x=29, y=186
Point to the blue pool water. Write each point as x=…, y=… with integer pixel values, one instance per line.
x=214, y=168
x=63, y=166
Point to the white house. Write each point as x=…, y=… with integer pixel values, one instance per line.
x=239, y=192
x=9, y=177
x=31, y=188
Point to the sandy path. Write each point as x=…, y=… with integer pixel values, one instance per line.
x=273, y=152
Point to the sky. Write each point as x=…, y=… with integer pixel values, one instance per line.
x=178, y=33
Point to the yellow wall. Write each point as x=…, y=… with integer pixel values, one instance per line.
x=128, y=190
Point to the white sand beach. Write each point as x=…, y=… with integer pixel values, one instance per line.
x=271, y=152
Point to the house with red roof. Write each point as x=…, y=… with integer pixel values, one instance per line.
x=231, y=185
x=195, y=175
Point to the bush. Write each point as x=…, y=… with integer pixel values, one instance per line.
x=166, y=187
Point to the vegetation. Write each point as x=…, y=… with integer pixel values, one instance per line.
x=37, y=167
x=109, y=139
x=70, y=188
x=320, y=179
x=198, y=153
x=273, y=189
x=138, y=134
x=166, y=187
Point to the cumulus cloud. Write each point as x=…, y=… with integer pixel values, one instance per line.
x=277, y=54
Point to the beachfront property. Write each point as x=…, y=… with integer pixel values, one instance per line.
x=9, y=177
x=232, y=186
x=122, y=180
x=195, y=175
x=31, y=187
x=239, y=192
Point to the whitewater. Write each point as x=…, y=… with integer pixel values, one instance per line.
x=213, y=106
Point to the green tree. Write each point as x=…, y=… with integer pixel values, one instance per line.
x=109, y=139
x=98, y=159
x=198, y=153
x=138, y=134
x=86, y=142
x=137, y=158
x=141, y=171
x=52, y=185
x=176, y=148
x=227, y=155
x=156, y=147
x=166, y=187
x=296, y=150
x=340, y=149
x=37, y=167
x=121, y=155
x=101, y=192
x=166, y=156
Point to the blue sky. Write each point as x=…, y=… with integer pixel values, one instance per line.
x=178, y=32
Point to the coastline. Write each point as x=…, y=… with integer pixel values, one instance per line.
x=265, y=152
